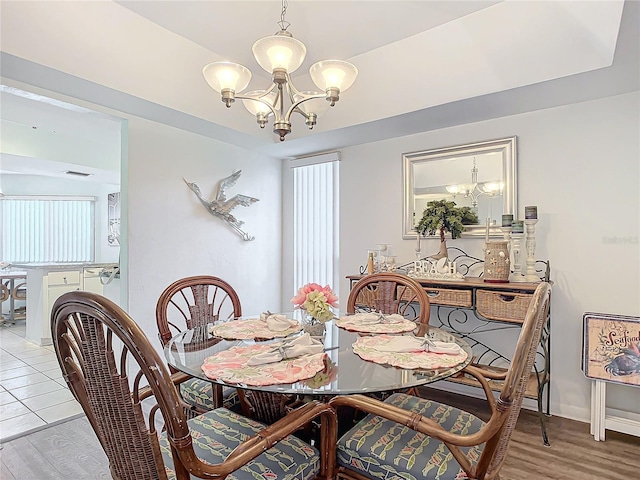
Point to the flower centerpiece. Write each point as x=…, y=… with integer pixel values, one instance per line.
x=317, y=302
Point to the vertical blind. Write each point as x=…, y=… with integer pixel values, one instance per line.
x=48, y=229
x=315, y=224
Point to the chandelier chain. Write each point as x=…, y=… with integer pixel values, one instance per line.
x=283, y=23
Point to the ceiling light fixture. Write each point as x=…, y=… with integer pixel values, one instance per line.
x=281, y=55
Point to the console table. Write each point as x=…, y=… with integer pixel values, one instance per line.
x=473, y=310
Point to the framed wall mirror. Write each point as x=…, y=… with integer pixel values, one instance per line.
x=479, y=175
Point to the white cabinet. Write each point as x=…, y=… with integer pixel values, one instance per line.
x=43, y=289
x=45, y=284
x=91, y=281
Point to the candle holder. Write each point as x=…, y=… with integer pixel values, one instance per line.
x=507, y=226
x=517, y=275
x=506, y=234
x=531, y=275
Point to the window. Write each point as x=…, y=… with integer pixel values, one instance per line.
x=315, y=220
x=47, y=229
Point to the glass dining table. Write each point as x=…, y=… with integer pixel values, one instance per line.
x=346, y=372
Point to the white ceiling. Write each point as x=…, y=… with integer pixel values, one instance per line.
x=423, y=64
x=43, y=136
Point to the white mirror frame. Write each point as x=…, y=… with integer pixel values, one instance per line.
x=506, y=147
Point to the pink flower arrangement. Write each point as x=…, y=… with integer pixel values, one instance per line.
x=316, y=300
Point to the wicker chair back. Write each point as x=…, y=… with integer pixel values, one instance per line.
x=195, y=301
x=97, y=344
x=390, y=293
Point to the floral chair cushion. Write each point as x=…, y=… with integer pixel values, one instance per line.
x=200, y=393
x=216, y=433
x=380, y=448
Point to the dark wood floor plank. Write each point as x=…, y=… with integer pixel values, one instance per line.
x=78, y=461
x=25, y=463
x=5, y=474
x=83, y=437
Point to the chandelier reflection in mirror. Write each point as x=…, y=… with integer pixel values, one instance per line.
x=281, y=55
x=474, y=190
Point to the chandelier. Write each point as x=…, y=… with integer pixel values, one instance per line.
x=474, y=190
x=281, y=55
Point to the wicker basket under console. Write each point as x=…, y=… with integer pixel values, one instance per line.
x=444, y=296
x=504, y=306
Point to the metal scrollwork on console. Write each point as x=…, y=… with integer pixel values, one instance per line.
x=221, y=207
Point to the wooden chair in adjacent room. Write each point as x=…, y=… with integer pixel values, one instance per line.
x=195, y=302
x=410, y=437
x=19, y=293
x=131, y=401
x=390, y=293
x=5, y=295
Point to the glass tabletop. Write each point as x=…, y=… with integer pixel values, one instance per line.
x=347, y=372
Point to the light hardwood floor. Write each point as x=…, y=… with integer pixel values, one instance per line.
x=71, y=451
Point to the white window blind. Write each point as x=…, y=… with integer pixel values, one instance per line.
x=48, y=229
x=315, y=220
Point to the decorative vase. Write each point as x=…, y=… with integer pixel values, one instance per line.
x=496, y=262
x=313, y=326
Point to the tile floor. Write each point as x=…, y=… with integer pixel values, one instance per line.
x=33, y=394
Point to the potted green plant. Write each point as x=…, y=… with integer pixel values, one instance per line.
x=444, y=216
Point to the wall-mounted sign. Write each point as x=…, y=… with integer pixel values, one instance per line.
x=611, y=348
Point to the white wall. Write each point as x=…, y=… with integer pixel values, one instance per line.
x=170, y=233
x=580, y=165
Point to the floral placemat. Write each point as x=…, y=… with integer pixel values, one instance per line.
x=365, y=348
x=249, y=329
x=354, y=323
x=230, y=366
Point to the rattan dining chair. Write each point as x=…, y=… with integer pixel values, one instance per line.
x=5, y=295
x=19, y=293
x=410, y=437
x=195, y=302
x=390, y=293
x=130, y=399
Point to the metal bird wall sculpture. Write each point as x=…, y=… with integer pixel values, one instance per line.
x=221, y=207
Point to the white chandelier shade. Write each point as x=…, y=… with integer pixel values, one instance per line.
x=227, y=76
x=279, y=52
x=256, y=107
x=281, y=55
x=330, y=74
